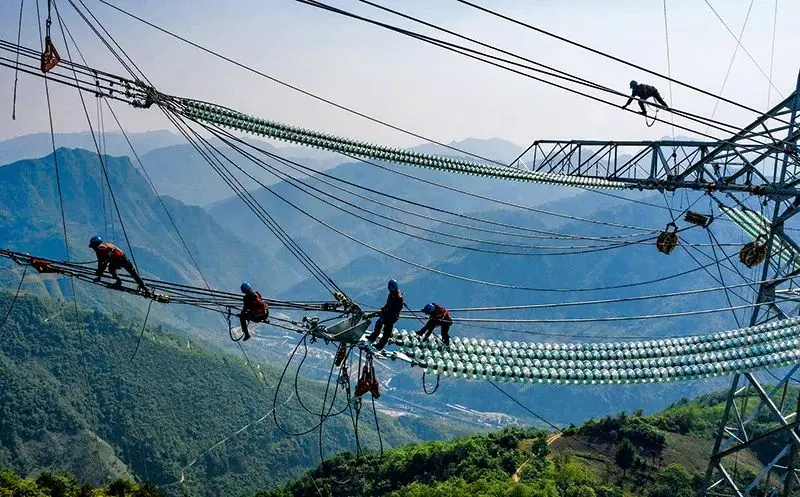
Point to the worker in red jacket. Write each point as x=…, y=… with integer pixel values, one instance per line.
x=253, y=308
x=389, y=315
x=112, y=257
x=437, y=316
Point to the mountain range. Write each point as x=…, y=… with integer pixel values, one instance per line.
x=229, y=245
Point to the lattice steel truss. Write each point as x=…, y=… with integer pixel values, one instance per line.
x=736, y=431
x=740, y=163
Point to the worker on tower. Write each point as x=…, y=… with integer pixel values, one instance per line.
x=643, y=92
x=437, y=316
x=253, y=308
x=112, y=257
x=389, y=314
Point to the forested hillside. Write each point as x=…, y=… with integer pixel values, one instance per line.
x=626, y=455
x=73, y=398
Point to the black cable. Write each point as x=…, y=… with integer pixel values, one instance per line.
x=106, y=43
x=290, y=86
x=322, y=413
x=108, y=181
x=329, y=102
x=97, y=147
x=722, y=279
x=740, y=45
x=292, y=181
x=542, y=419
x=78, y=323
x=377, y=426
x=278, y=388
x=139, y=341
x=431, y=269
x=160, y=199
x=453, y=275
x=477, y=55
x=318, y=175
x=16, y=70
x=425, y=389
x=555, y=72
x=268, y=220
x=243, y=194
x=13, y=301
x=311, y=171
x=606, y=55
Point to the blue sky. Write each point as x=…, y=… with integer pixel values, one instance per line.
x=423, y=88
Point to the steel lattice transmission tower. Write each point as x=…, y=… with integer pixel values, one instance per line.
x=779, y=476
x=762, y=159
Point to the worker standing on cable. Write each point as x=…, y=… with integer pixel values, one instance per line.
x=643, y=92
x=437, y=316
x=112, y=257
x=253, y=308
x=389, y=314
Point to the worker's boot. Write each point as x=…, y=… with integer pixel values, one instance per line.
x=118, y=283
x=246, y=335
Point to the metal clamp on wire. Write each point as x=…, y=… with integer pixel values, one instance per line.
x=702, y=220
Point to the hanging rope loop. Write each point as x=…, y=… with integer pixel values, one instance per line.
x=230, y=327
x=425, y=388
x=648, y=121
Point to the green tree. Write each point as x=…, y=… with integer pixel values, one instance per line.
x=581, y=491
x=606, y=491
x=626, y=455
x=673, y=481
x=570, y=474
x=58, y=485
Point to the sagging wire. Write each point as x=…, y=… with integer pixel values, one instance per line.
x=144, y=325
x=453, y=275
x=291, y=180
x=425, y=388
x=94, y=419
x=13, y=301
x=278, y=388
x=16, y=65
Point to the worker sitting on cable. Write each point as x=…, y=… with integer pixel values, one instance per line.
x=437, y=316
x=643, y=92
x=389, y=315
x=112, y=257
x=253, y=308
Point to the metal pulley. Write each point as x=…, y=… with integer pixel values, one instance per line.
x=668, y=239
x=754, y=253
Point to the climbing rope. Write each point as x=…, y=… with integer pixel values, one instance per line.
x=144, y=325
x=13, y=301
x=16, y=63
x=425, y=389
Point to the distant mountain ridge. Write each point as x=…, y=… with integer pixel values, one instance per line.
x=30, y=221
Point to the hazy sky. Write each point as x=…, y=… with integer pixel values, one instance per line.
x=424, y=88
